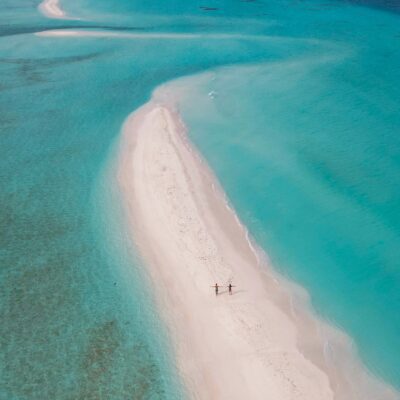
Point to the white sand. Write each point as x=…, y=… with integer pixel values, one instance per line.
x=233, y=347
x=244, y=346
x=148, y=36
x=51, y=9
x=117, y=35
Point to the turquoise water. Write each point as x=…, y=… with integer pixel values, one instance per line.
x=307, y=149
x=302, y=132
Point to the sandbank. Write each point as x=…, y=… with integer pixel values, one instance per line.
x=151, y=35
x=254, y=344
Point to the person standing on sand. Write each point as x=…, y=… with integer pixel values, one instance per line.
x=216, y=289
x=230, y=288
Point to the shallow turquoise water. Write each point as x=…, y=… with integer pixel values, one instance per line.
x=307, y=149
x=304, y=141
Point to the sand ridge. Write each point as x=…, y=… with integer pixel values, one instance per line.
x=228, y=347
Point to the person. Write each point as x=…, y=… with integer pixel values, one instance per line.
x=230, y=288
x=216, y=289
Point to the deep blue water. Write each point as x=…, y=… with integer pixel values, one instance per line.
x=314, y=124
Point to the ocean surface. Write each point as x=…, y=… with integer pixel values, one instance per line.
x=294, y=104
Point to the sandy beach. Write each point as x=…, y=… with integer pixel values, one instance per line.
x=249, y=345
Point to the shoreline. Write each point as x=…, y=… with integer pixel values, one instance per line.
x=254, y=344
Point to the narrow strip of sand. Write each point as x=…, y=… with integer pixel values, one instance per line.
x=153, y=35
x=229, y=347
x=95, y=33
x=240, y=346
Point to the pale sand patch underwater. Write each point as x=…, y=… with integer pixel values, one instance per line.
x=93, y=33
x=255, y=344
x=52, y=9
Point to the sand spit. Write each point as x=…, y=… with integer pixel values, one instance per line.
x=251, y=345
x=154, y=35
